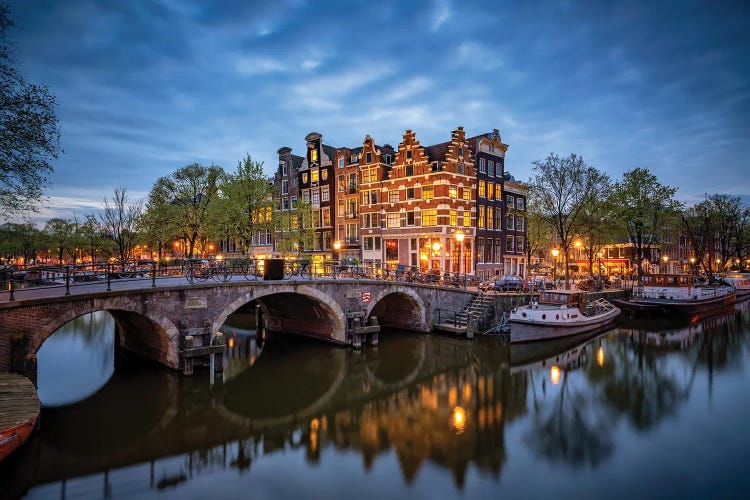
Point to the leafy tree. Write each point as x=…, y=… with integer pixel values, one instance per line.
x=538, y=235
x=20, y=240
x=293, y=229
x=119, y=221
x=29, y=134
x=157, y=225
x=643, y=207
x=247, y=203
x=596, y=228
x=185, y=197
x=560, y=189
x=90, y=236
x=59, y=234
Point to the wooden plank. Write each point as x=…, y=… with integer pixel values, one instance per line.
x=18, y=400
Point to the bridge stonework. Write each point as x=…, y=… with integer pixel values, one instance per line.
x=149, y=321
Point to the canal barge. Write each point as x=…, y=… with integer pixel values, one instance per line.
x=19, y=411
x=741, y=284
x=560, y=313
x=677, y=295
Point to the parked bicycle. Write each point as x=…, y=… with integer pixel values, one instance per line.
x=201, y=270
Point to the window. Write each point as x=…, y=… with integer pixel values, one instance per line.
x=370, y=197
x=467, y=218
x=369, y=175
x=409, y=170
x=453, y=218
x=453, y=192
x=498, y=169
x=352, y=183
x=519, y=203
x=393, y=196
x=313, y=155
x=284, y=169
x=340, y=211
x=326, y=217
x=368, y=158
x=498, y=250
x=294, y=202
x=387, y=159
x=480, y=249
x=499, y=191
x=342, y=183
x=351, y=233
x=285, y=187
x=341, y=162
x=490, y=167
x=324, y=194
x=306, y=196
x=316, y=197
x=314, y=173
x=481, y=187
x=509, y=243
x=490, y=218
x=393, y=219
x=285, y=203
x=482, y=165
x=509, y=201
x=304, y=178
x=510, y=223
x=482, y=220
x=428, y=192
x=409, y=218
x=460, y=168
x=351, y=208
x=460, y=152
x=408, y=154
x=324, y=174
x=429, y=218
x=466, y=193
x=520, y=223
x=409, y=193
x=499, y=219
x=354, y=158
x=368, y=244
x=519, y=243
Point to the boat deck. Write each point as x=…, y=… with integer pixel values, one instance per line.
x=18, y=400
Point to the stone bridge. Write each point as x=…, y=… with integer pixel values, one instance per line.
x=153, y=322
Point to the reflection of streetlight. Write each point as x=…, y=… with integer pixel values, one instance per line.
x=459, y=419
x=555, y=252
x=460, y=240
x=600, y=356
x=554, y=374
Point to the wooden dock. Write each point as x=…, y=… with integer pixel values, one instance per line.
x=19, y=411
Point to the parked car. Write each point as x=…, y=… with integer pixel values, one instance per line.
x=541, y=282
x=504, y=283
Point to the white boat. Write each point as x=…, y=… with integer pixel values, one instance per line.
x=741, y=284
x=677, y=295
x=560, y=313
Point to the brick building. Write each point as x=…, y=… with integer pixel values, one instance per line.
x=514, y=214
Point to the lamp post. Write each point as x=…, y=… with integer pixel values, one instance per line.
x=436, y=250
x=665, y=259
x=692, y=265
x=599, y=256
x=460, y=241
x=336, y=248
x=555, y=252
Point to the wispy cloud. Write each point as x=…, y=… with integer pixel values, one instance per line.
x=441, y=13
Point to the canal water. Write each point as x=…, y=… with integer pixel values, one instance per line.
x=642, y=411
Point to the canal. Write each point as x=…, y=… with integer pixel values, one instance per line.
x=644, y=410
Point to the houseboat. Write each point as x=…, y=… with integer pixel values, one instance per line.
x=741, y=284
x=677, y=295
x=559, y=313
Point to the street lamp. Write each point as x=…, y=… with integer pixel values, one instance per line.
x=692, y=264
x=436, y=250
x=336, y=248
x=665, y=259
x=555, y=252
x=599, y=255
x=460, y=239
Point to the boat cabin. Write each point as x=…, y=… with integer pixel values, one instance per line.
x=570, y=298
x=662, y=280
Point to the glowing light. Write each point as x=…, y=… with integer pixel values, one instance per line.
x=337, y=245
x=577, y=244
x=600, y=356
x=231, y=343
x=665, y=258
x=554, y=374
x=555, y=252
x=459, y=419
x=459, y=236
x=219, y=257
x=436, y=247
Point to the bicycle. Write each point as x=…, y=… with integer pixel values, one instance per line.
x=200, y=271
x=250, y=270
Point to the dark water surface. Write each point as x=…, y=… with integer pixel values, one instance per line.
x=634, y=413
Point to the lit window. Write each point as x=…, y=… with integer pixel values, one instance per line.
x=490, y=218
x=324, y=173
x=428, y=192
x=467, y=218
x=481, y=185
x=313, y=155
x=393, y=219
x=393, y=196
x=481, y=222
x=499, y=191
x=466, y=193
x=429, y=217
x=314, y=175
x=453, y=192
x=324, y=194
x=454, y=218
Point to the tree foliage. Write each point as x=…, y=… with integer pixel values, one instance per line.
x=29, y=134
x=643, y=207
x=560, y=189
x=59, y=233
x=20, y=239
x=119, y=220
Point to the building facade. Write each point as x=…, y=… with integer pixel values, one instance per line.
x=514, y=214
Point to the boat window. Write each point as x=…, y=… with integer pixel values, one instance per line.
x=544, y=316
x=557, y=316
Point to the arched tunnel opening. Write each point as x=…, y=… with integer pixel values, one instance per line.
x=298, y=314
x=400, y=311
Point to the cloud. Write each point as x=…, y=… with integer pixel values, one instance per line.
x=441, y=13
x=257, y=65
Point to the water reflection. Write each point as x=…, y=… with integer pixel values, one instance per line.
x=478, y=417
x=75, y=361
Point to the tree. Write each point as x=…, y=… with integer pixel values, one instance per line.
x=59, y=234
x=90, y=236
x=186, y=197
x=20, y=240
x=596, y=229
x=29, y=134
x=157, y=226
x=293, y=229
x=537, y=232
x=560, y=188
x=119, y=221
x=247, y=203
x=643, y=207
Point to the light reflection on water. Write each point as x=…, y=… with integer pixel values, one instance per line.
x=631, y=413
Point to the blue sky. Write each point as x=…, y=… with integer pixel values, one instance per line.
x=145, y=87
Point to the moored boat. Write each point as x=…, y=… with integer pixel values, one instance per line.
x=677, y=295
x=19, y=411
x=741, y=284
x=560, y=313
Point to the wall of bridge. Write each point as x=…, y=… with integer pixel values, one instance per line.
x=150, y=321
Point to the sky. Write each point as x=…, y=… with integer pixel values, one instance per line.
x=146, y=87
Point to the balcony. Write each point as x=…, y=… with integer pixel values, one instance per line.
x=351, y=215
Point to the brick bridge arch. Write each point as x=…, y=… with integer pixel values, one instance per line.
x=400, y=307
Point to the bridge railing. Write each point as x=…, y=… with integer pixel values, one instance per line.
x=60, y=280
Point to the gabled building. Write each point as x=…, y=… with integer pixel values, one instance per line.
x=514, y=212
x=286, y=179
x=488, y=152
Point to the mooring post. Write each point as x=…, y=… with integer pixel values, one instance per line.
x=212, y=369
x=109, y=277
x=153, y=274
x=67, y=280
x=188, y=361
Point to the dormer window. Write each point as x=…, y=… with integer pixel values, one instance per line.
x=408, y=155
x=354, y=159
x=313, y=155
x=369, y=158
